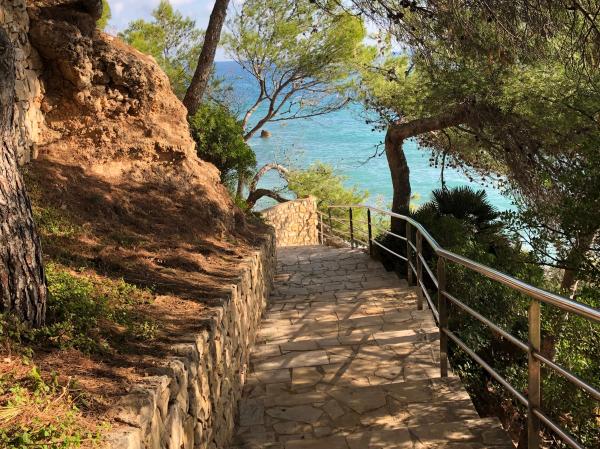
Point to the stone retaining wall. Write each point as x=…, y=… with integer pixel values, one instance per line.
x=191, y=402
x=28, y=117
x=295, y=222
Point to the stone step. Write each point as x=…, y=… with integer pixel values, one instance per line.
x=351, y=284
x=374, y=301
x=373, y=327
x=476, y=433
x=388, y=312
x=371, y=355
x=273, y=411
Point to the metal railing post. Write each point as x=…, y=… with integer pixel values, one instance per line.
x=321, y=236
x=409, y=274
x=420, y=283
x=352, y=243
x=443, y=312
x=534, y=393
x=370, y=232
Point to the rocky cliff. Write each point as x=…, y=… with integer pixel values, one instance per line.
x=110, y=110
x=87, y=99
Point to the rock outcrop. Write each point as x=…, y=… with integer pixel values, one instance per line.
x=88, y=99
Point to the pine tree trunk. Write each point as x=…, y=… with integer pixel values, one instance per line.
x=194, y=94
x=398, y=132
x=574, y=261
x=22, y=281
x=240, y=186
x=400, y=180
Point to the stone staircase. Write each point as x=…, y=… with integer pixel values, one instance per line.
x=345, y=360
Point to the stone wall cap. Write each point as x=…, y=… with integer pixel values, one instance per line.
x=289, y=203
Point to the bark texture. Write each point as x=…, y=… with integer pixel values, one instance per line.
x=22, y=281
x=194, y=94
x=574, y=261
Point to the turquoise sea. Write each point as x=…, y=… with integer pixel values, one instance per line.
x=345, y=141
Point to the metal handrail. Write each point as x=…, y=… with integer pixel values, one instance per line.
x=391, y=233
x=537, y=296
x=429, y=271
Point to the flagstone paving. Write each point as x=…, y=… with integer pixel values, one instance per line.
x=345, y=360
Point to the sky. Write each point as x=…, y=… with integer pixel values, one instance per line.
x=124, y=11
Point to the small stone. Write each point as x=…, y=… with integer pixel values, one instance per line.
x=336, y=442
x=381, y=439
x=251, y=412
x=302, y=413
x=295, y=359
x=361, y=401
x=389, y=373
x=273, y=376
x=322, y=431
x=125, y=439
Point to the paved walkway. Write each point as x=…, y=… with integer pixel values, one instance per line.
x=345, y=361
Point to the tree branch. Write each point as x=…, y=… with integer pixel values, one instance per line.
x=259, y=193
x=463, y=113
x=256, y=194
x=266, y=168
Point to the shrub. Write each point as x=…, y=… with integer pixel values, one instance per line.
x=80, y=311
x=52, y=222
x=106, y=16
x=219, y=140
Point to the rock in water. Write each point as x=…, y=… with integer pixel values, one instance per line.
x=265, y=134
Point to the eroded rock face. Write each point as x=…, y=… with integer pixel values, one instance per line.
x=110, y=109
x=92, y=8
x=28, y=118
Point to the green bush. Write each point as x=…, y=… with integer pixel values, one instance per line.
x=53, y=222
x=82, y=312
x=106, y=15
x=219, y=140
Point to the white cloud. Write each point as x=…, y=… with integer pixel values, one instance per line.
x=124, y=12
x=118, y=7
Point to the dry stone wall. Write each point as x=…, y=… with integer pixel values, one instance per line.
x=191, y=402
x=295, y=222
x=28, y=117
